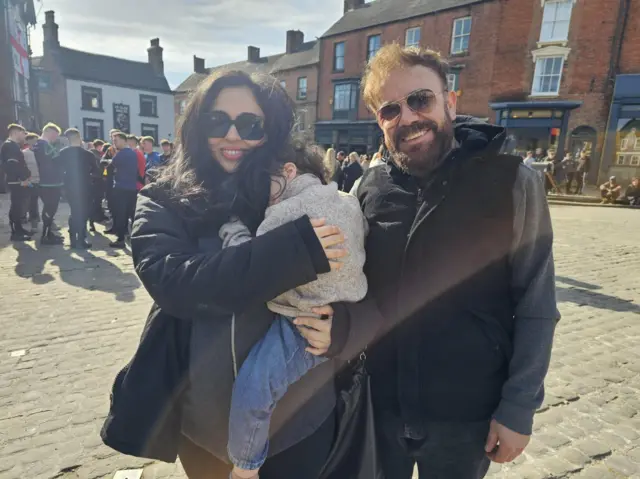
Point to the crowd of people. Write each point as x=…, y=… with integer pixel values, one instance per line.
x=346, y=171
x=99, y=180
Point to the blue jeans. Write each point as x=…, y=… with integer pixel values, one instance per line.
x=275, y=362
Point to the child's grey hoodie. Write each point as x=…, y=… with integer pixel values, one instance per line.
x=306, y=195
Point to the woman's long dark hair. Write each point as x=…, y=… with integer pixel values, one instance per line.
x=195, y=174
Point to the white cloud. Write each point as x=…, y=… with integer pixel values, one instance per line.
x=218, y=30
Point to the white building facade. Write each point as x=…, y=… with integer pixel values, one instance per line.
x=95, y=108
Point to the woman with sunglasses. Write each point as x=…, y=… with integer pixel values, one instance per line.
x=174, y=396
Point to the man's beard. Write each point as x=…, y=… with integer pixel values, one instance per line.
x=421, y=163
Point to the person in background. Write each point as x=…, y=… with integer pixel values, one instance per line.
x=338, y=175
x=549, y=170
x=108, y=152
x=80, y=169
x=570, y=167
x=32, y=208
x=47, y=151
x=610, y=191
x=90, y=146
x=134, y=143
x=529, y=159
x=540, y=157
x=152, y=158
x=125, y=188
x=584, y=166
x=352, y=171
x=97, y=188
x=17, y=178
x=632, y=193
x=365, y=162
x=167, y=151
x=331, y=163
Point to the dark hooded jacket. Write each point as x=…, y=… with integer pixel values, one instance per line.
x=438, y=266
x=198, y=289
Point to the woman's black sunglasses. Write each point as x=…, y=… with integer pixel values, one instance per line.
x=249, y=125
x=420, y=101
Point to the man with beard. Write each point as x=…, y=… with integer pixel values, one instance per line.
x=459, y=262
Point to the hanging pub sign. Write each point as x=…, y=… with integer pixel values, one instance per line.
x=121, y=118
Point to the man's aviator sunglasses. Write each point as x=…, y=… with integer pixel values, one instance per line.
x=420, y=101
x=248, y=125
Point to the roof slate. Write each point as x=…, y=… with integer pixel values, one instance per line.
x=308, y=54
x=379, y=12
x=104, y=69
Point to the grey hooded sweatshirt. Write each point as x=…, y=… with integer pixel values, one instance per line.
x=306, y=195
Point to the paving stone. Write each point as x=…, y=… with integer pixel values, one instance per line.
x=622, y=465
x=558, y=467
x=574, y=456
x=54, y=397
x=598, y=471
x=593, y=448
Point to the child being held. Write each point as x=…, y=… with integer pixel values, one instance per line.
x=280, y=358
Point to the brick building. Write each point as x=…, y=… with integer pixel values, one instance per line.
x=16, y=93
x=296, y=69
x=95, y=93
x=545, y=69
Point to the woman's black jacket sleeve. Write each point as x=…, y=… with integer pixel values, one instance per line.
x=187, y=282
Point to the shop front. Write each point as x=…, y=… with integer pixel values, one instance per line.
x=621, y=154
x=363, y=137
x=534, y=124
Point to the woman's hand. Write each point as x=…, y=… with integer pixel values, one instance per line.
x=316, y=331
x=330, y=236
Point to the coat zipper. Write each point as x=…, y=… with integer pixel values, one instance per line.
x=234, y=358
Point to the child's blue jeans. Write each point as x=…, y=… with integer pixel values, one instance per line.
x=275, y=362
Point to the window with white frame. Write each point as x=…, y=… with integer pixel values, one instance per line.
x=460, y=35
x=412, y=38
x=635, y=160
x=620, y=160
x=555, y=20
x=338, y=57
x=637, y=144
x=302, y=88
x=546, y=79
x=452, y=81
x=623, y=144
x=373, y=45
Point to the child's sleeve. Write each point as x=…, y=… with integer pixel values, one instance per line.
x=234, y=233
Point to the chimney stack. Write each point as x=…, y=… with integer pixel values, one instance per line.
x=198, y=65
x=253, y=54
x=295, y=39
x=350, y=5
x=50, y=29
x=155, y=57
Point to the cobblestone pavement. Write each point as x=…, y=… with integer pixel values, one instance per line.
x=69, y=321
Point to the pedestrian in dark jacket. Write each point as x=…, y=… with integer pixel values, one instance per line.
x=174, y=396
x=459, y=258
x=47, y=150
x=352, y=171
x=17, y=178
x=80, y=168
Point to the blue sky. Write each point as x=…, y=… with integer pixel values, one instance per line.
x=218, y=30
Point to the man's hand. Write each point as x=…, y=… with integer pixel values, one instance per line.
x=503, y=444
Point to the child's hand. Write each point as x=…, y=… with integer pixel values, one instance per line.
x=330, y=237
x=316, y=331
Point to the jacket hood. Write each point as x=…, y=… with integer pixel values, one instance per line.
x=475, y=135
